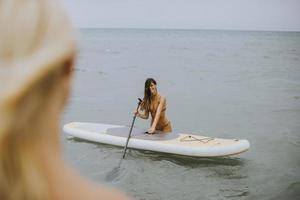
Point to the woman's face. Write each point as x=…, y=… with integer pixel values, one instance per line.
x=153, y=89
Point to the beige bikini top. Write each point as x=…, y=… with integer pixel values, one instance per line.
x=154, y=110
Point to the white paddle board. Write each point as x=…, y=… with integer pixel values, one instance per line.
x=174, y=143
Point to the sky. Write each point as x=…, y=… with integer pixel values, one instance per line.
x=265, y=15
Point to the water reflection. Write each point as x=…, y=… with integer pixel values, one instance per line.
x=187, y=161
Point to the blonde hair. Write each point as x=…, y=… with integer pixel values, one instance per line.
x=36, y=39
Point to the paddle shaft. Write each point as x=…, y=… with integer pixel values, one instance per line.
x=134, y=117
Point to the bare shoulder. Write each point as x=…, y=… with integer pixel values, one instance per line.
x=163, y=99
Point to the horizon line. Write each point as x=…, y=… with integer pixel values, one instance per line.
x=189, y=29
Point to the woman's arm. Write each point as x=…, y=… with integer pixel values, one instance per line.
x=158, y=112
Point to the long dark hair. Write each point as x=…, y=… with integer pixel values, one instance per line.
x=147, y=94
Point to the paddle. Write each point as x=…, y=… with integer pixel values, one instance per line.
x=125, y=148
x=115, y=172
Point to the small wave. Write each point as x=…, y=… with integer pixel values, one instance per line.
x=112, y=51
x=266, y=57
x=297, y=97
x=293, y=139
x=291, y=192
x=84, y=70
x=229, y=193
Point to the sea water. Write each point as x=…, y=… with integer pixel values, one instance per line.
x=228, y=84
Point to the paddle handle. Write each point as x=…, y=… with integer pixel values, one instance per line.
x=134, y=117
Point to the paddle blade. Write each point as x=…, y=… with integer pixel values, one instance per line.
x=115, y=174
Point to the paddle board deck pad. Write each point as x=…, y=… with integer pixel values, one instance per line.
x=174, y=143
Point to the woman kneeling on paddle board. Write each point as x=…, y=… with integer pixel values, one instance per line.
x=155, y=104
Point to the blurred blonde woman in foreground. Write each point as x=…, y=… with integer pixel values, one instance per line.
x=37, y=51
